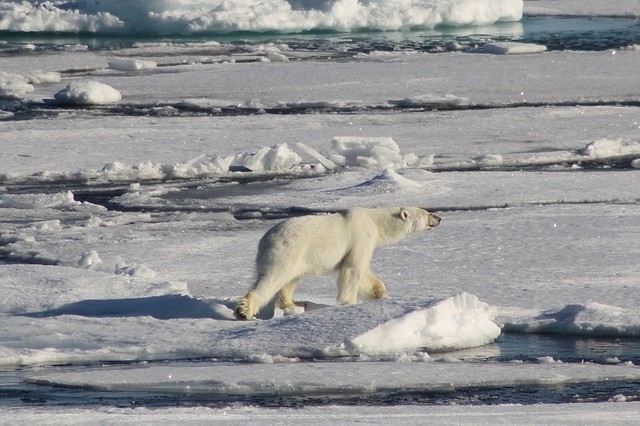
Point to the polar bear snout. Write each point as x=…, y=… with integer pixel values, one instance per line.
x=434, y=220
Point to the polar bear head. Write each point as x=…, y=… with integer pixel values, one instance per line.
x=418, y=220
x=395, y=223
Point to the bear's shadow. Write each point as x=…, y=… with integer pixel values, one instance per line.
x=172, y=306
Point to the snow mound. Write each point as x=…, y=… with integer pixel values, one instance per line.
x=390, y=181
x=512, y=48
x=592, y=319
x=459, y=322
x=87, y=93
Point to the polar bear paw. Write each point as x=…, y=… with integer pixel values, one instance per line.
x=241, y=311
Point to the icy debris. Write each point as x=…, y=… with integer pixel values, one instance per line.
x=431, y=101
x=326, y=163
x=321, y=105
x=87, y=93
x=612, y=148
x=376, y=153
x=205, y=104
x=277, y=157
x=199, y=166
x=91, y=260
x=602, y=148
x=61, y=200
x=271, y=359
x=275, y=57
x=43, y=77
x=548, y=360
x=369, y=152
x=490, y=160
x=512, y=48
x=618, y=398
x=14, y=86
x=131, y=64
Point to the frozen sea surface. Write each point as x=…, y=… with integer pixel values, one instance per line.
x=138, y=173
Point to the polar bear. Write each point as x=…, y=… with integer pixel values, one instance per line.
x=321, y=244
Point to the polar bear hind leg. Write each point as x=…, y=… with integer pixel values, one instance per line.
x=349, y=283
x=267, y=290
x=284, y=298
x=372, y=288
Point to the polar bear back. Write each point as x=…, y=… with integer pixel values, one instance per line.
x=306, y=245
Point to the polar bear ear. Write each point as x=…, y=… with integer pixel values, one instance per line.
x=404, y=214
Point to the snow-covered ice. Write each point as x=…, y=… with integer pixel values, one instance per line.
x=128, y=226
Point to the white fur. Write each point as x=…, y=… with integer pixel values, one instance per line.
x=319, y=245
